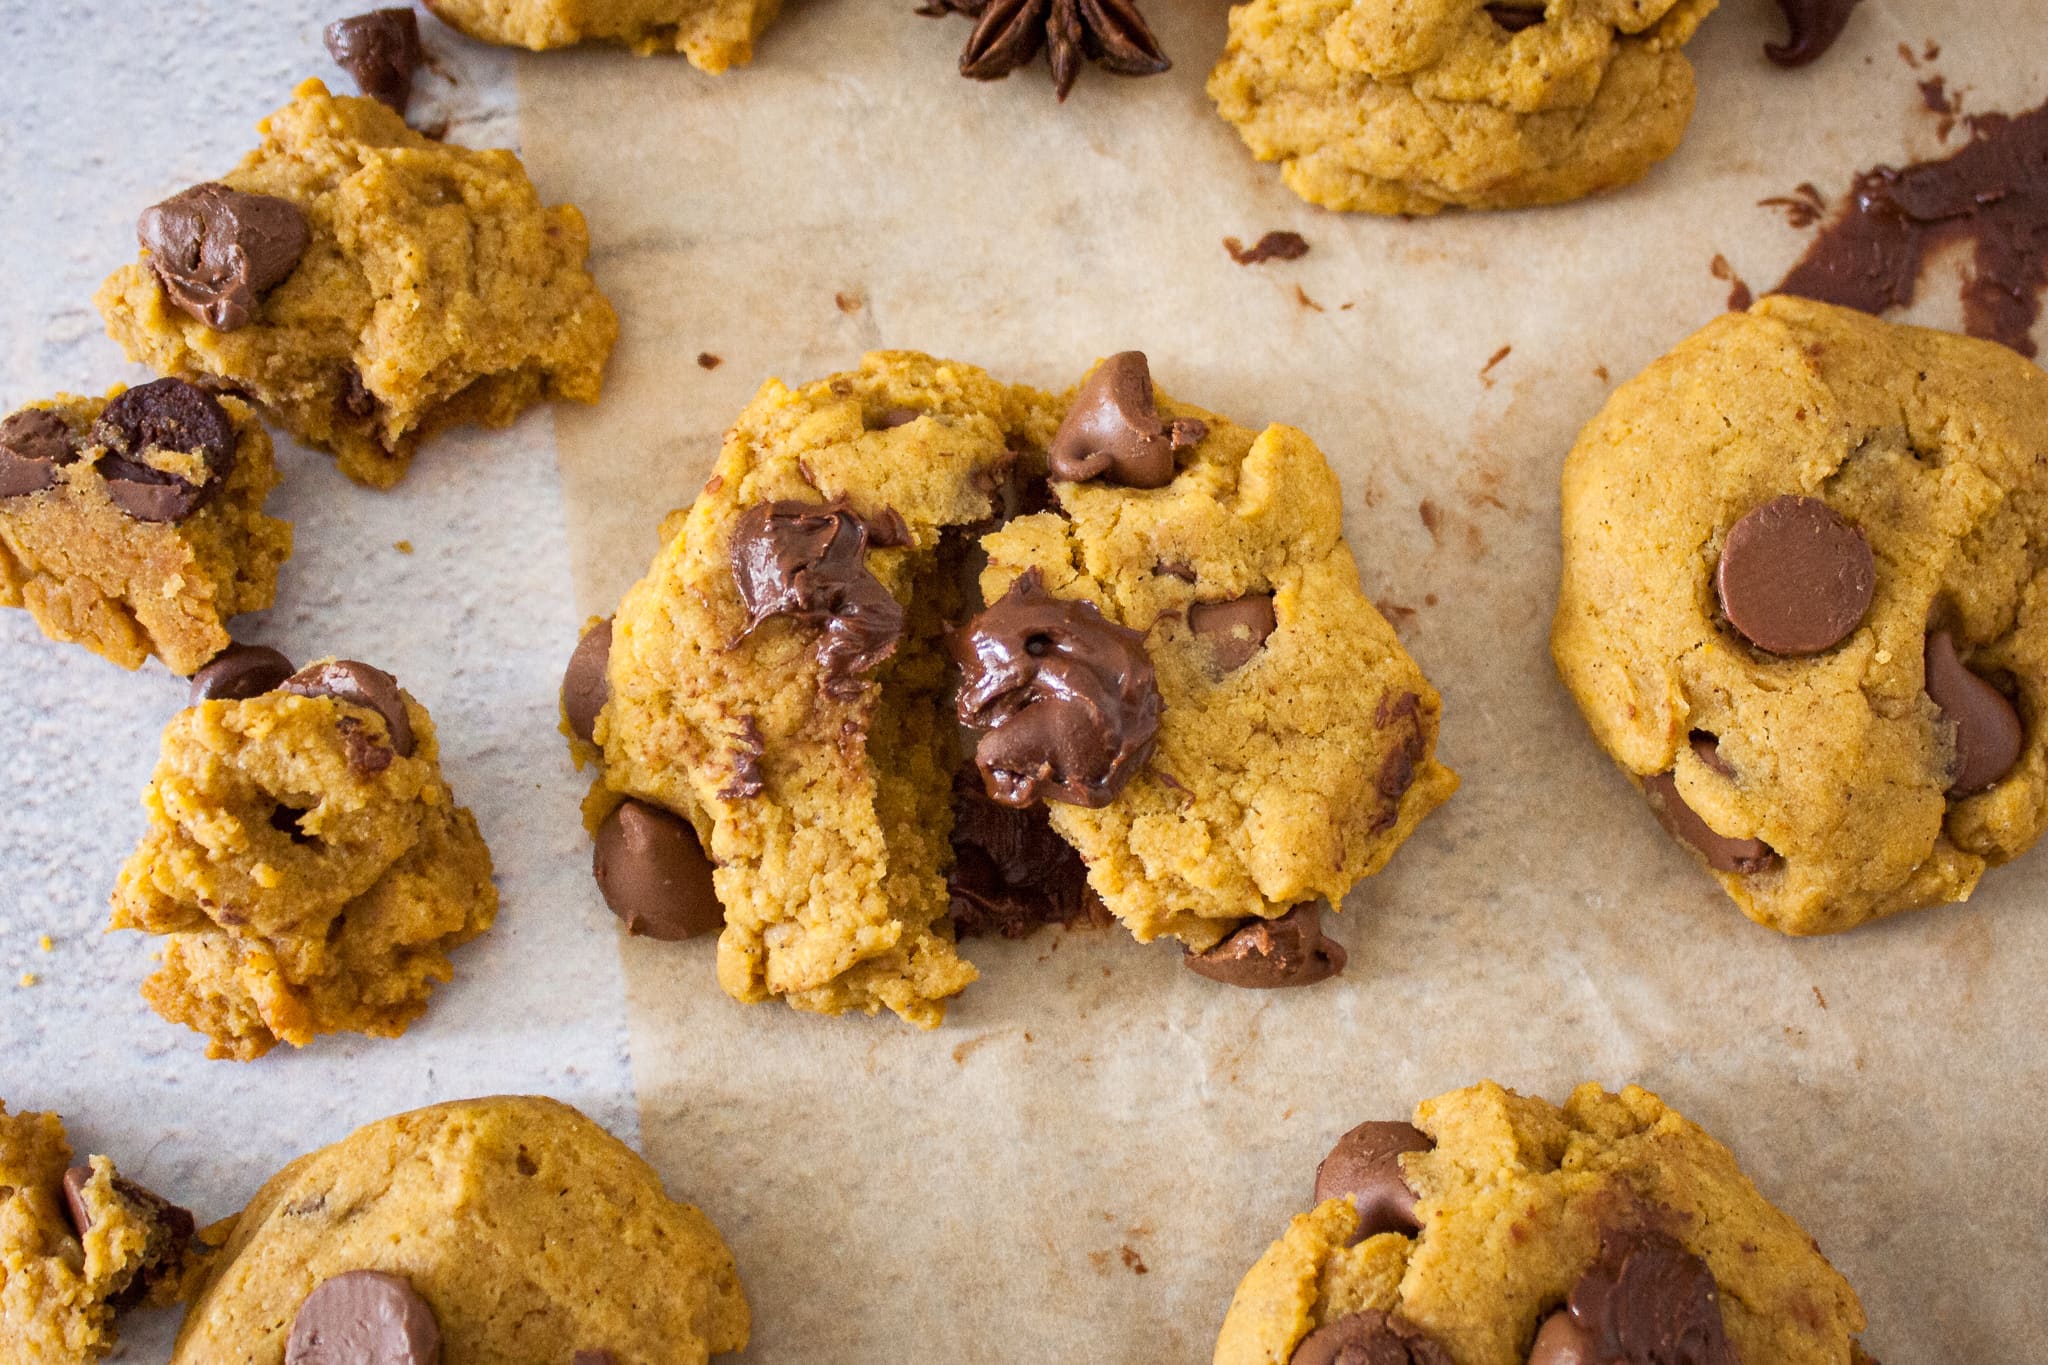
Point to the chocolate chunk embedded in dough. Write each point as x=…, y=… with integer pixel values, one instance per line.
x=1066, y=701
x=33, y=443
x=1681, y=822
x=1795, y=578
x=1988, y=734
x=1113, y=431
x=351, y=681
x=160, y=418
x=1369, y=1338
x=653, y=874
x=380, y=51
x=808, y=561
x=585, y=684
x=1646, y=1301
x=1365, y=1167
x=1273, y=954
x=364, y=1317
x=1236, y=630
x=219, y=251
x=238, y=673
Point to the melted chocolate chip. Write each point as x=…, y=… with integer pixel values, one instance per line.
x=380, y=51
x=1236, y=630
x=33, y=443
x=1794, y=577
x=219, y=251
x=1011, y=873
x=1113, y=431
x=1815, y=25
x=1992, y=193
x=585, y=684
x=165, y=417
x=808, y=561
x=653, y=874
x=1646, y=1301
x=1370, y=1338
x=238, y=673
x=1066, y=702
x=1515, y=18
x=364, y=1317
x=1681, y=822
x=1273, y=954
x=358, y=683
x=1365, y=1167
x=1988, y=734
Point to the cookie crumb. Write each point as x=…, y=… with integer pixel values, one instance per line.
x=28, y=979
x=849, y=303
x=1274, y=246
x=708, y=361
x=45, y=944
x=403, y=547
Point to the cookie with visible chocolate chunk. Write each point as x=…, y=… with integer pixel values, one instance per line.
x=305, y=861
x=1498, y=1229
x=366, y=285
x=506, y=1229
x=714, y=34
x=1415, y=106
x=78, y=1245
x=1802, y=607
x=133, y=524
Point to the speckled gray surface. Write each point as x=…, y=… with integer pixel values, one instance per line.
x=108, y=107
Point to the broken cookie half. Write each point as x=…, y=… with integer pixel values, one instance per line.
x=933, y=654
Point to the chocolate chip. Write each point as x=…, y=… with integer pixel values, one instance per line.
x=175, y=1225
x=1369, y=1338
x=367, y=754
x=1646, y=1301
x=1681, y=822
x=219, y=251
x=1173, y=568
x=238, y=673
x=1066, y=702
x=33, y=443
x=165, y=416
x=1113, y=431
x=585, y=684
x=1988, y=735
x=808, y=561
x=892, y=418
x=1236, y=630
x=1794, y=577
x=1815, y=25
x=364, y=1317
x=75, y=1181
x=1272, y=954
x=380, y=50
x=1515, y=18
x=1011, y=873
x=1708, y=748
x=358, y=683
x=653, y=874
x=1365, y=1167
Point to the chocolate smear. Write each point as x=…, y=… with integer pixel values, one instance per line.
x=1011, y=873
x=1274, y=246
x=808, y=561
x=219, y=251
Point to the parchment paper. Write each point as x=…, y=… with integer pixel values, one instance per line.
x=1085, y=1159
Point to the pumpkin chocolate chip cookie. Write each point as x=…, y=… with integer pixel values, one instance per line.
x=78, y=1245
x=1498, y=1229
x=1414, y=106
x=366, y=285
x=133, y=524
x=506, y=1229
x=305, y=861
x=713, y=34
x=1802, y=607
x=1165, y=680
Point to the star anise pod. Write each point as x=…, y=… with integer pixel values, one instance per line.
x=1009, y=33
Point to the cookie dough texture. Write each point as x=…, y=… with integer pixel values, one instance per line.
x=1513, y=1200
x=1931, y=445
x=1279, y=781
x=436, y=290
x=713, y=34
x=300, y=888
x=58, y=1291
x=531, y=1232
x=126, y=589
x=1414, y=106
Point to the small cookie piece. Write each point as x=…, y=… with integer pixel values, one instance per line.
x=1521, y=1233
x=504, y=1229
x=366, y=285
x=79, y=1244
x=1801, y=607
x=1414, y=106
x=1296, y=739
x=714, y=34
x=133, y=524
x=305, y=861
